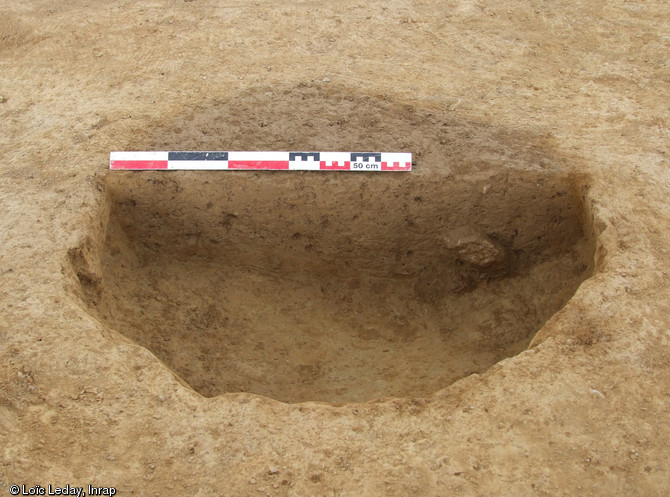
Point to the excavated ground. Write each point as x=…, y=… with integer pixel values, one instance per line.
x=308, y=287
x=337, y=287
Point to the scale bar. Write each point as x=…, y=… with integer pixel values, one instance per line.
x=257, y=161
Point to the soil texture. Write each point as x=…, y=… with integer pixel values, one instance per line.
x=494, y=322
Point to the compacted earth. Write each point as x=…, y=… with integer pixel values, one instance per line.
x=493, y=322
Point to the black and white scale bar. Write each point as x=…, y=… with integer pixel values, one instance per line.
x=295, y=161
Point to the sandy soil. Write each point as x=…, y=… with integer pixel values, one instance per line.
x=493, y=323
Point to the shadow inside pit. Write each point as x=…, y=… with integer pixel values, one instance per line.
x=332, y=286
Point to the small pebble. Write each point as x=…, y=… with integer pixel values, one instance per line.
x=273, y=470
x=597, y=393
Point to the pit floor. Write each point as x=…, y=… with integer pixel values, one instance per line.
x=334, y=296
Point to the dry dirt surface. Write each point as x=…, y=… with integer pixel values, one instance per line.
x=493, y=323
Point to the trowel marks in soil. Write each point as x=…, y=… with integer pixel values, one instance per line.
x=332, y=287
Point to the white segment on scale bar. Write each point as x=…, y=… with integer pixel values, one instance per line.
x=127, y=156
x=197, y=165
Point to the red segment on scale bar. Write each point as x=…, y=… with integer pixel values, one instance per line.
x=139, y=164
x=335, y=166
x=257, y=164
x=396, y=166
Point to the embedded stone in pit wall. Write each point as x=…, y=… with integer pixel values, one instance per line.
x=476, y=249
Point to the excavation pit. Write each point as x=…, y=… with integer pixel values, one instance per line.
x=337, y=287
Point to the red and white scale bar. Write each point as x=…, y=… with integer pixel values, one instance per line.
x=292, y=161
